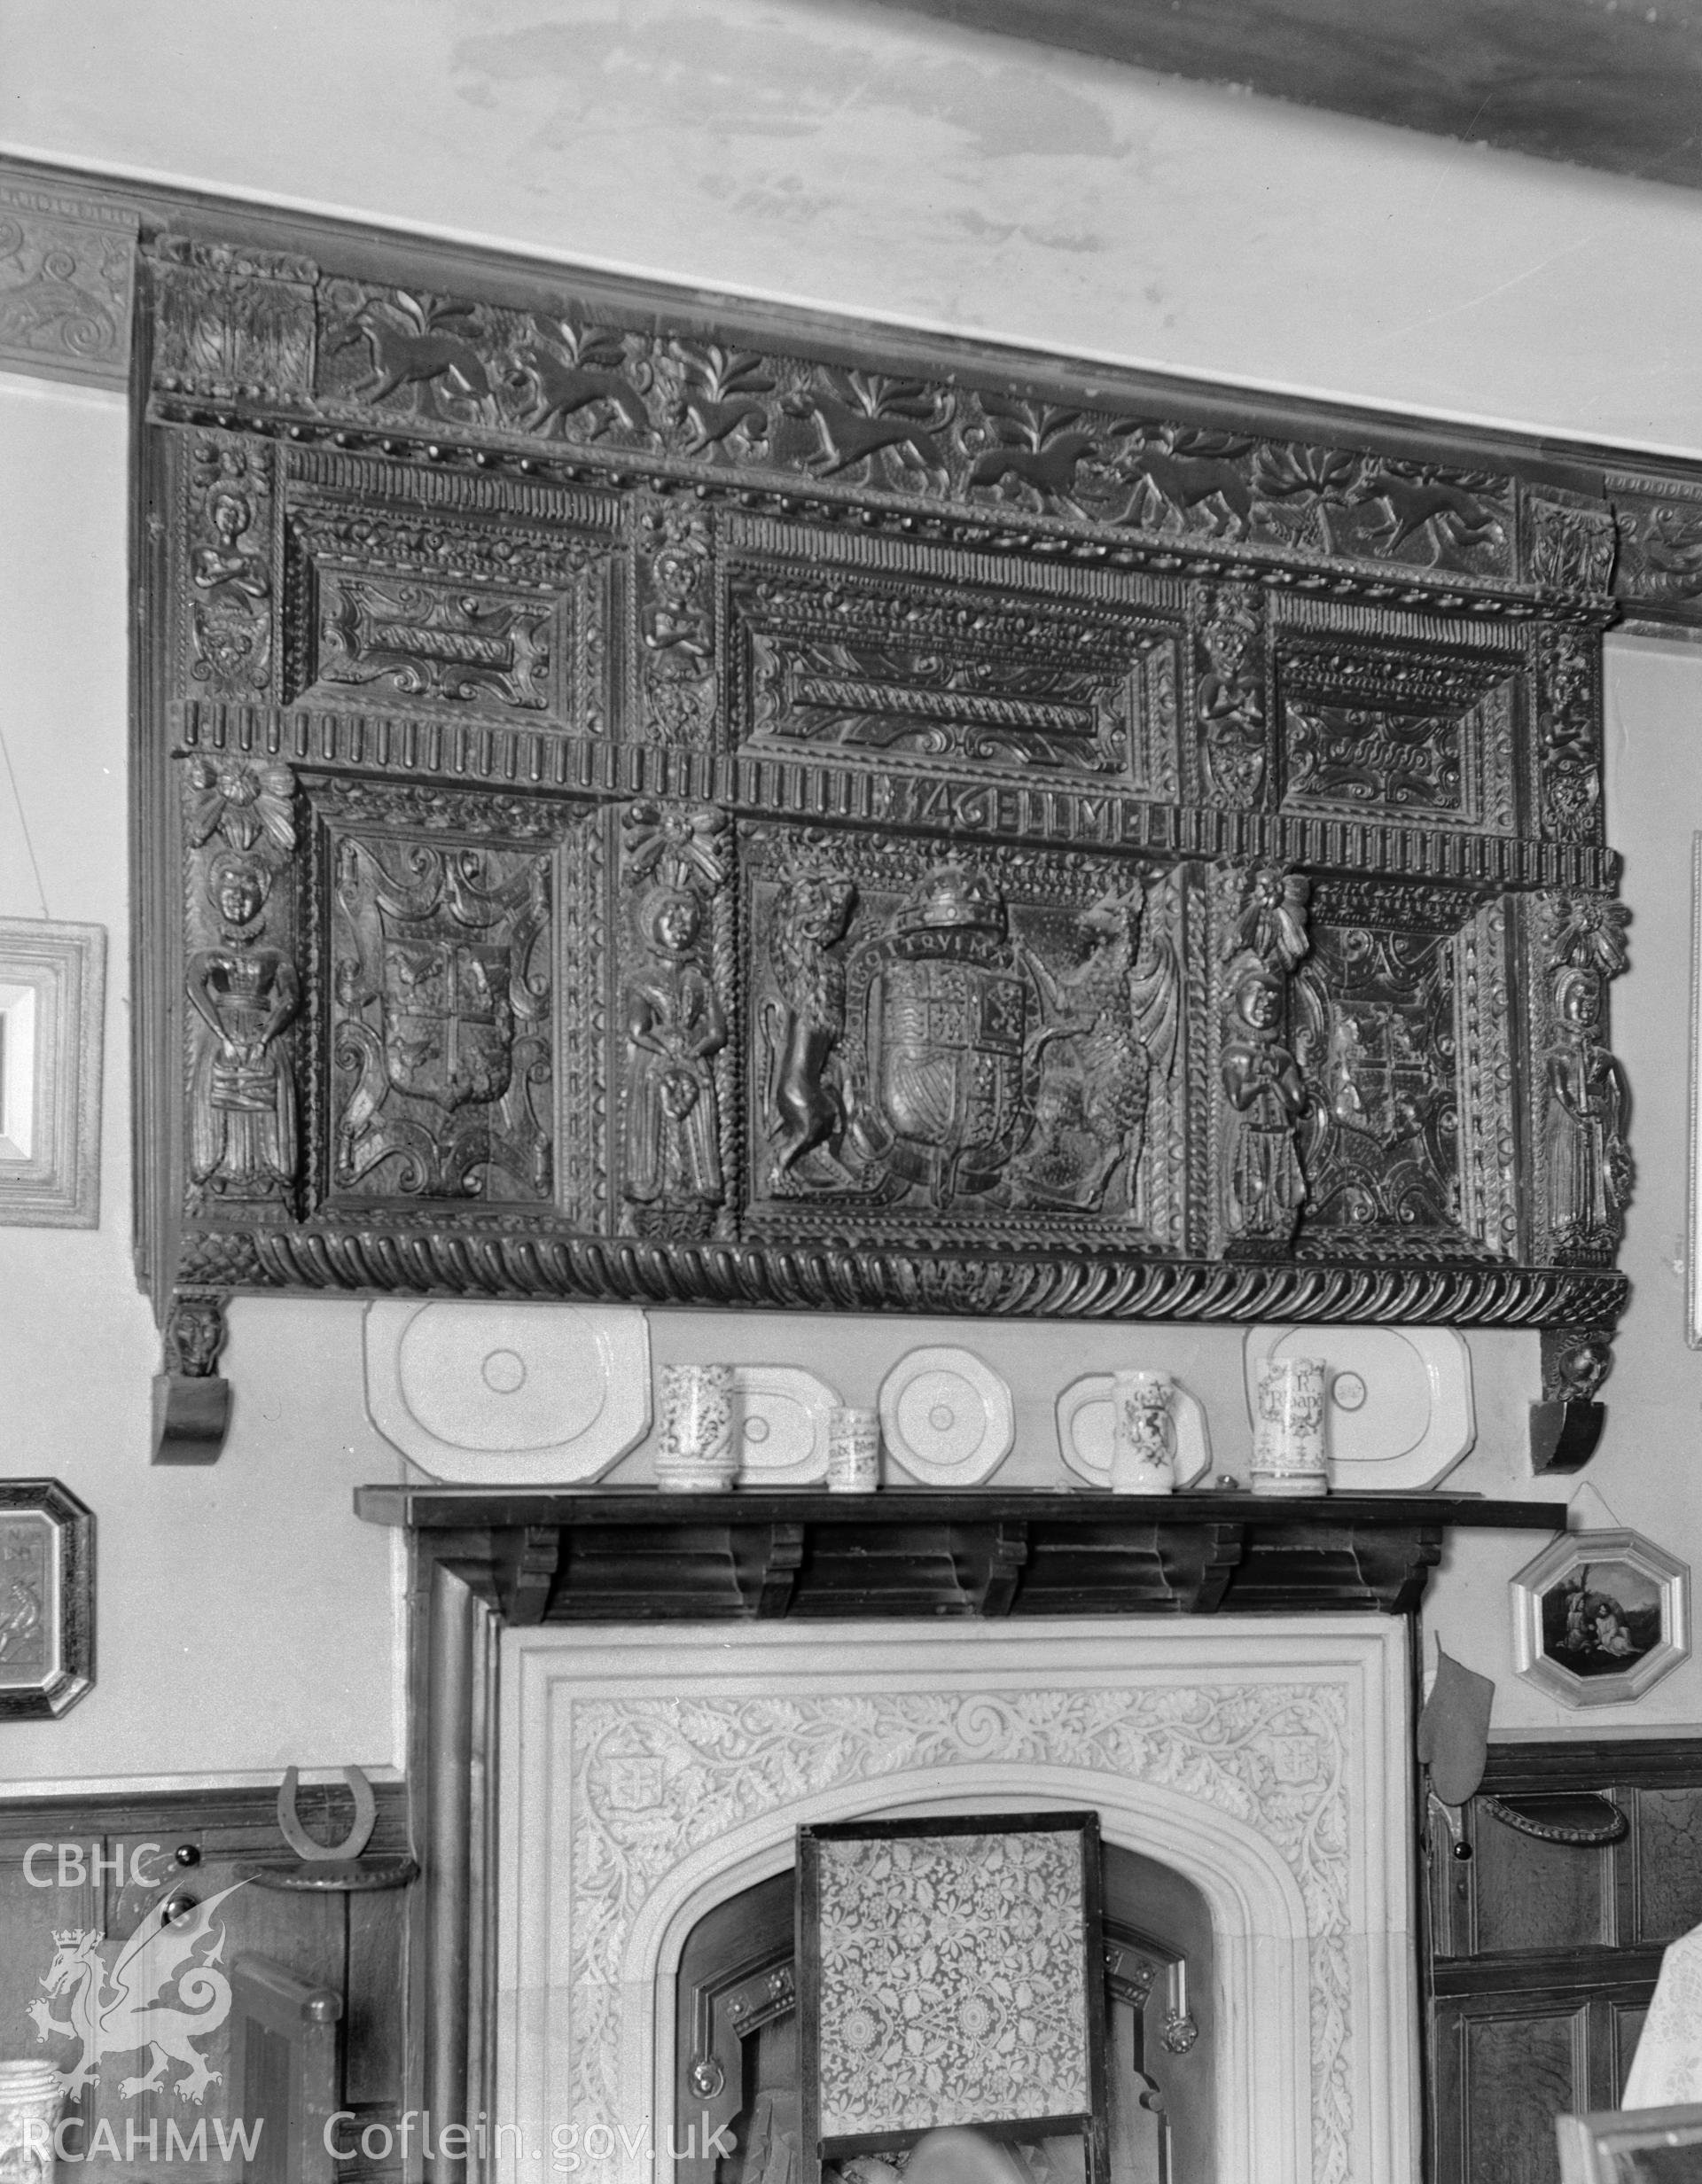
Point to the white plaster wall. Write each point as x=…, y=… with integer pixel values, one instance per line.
x=244, y=1618
x=835, y=153
x=822, y=151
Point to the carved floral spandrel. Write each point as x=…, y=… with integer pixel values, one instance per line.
x=655, y=1779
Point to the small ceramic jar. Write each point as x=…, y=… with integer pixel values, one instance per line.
x=1288, y=1452
x=697, y=1455
x=853, y=1449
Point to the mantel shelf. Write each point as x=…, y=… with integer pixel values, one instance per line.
x=598, y=1556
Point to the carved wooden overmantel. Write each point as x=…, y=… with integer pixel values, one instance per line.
x=631, y=811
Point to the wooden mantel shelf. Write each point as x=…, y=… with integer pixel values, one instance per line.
x=596, y=1556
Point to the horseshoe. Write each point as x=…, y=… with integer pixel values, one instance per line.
x=366, y=1818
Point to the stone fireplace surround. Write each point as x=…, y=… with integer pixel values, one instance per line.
x=648, y=1774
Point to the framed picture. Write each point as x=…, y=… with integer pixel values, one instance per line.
x=1631, y=2146
x=1600, y=1616
x=53, y=992
x=47, y=1598
x=914, y=1937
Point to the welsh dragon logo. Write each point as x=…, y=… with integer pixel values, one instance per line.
x=115, y=2012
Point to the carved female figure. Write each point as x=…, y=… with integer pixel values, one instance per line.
x=1267, y=1097
x=675, y=1023
x=1589, y=1101
x=242, y=1097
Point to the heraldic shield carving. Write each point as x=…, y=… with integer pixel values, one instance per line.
x=633, y=814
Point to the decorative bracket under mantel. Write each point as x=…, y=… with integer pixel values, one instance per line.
x=639, y=1556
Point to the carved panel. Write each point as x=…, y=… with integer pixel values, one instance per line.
x=1412, y=728
x=65, y=284
x=985, y=1046
x=1385, y=1007
x=440, y=996
x=648, y=813
x=842, y=660
x=230, y=594
x=444, y=593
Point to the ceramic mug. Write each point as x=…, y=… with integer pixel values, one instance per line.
x=1288, y=1454
x=697, y=1455
x=853, y=1449
x=1143, y=1434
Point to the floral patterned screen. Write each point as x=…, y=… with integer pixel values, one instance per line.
x=949, y=1969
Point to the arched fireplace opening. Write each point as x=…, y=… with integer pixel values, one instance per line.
x=735, y=2038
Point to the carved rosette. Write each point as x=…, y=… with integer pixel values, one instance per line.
x=1585, y=1101
x=241, y=983
x=1262, y=936
x=674, y=1014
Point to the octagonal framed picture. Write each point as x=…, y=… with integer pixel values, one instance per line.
x=1598, y=1617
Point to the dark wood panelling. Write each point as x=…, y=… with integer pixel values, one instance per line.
x=1542, y=1955
x=122, y=1856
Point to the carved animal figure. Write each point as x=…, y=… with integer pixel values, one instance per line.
x=413, y=347
x=709, y=423
x=1107, y=1032
x=113, y=2012
x=1050, y=471
x=870, y=419
x=1187, y=469
x=562, y=387
x=1451, y=515
x=810, y=914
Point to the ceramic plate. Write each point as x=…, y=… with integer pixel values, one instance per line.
x=780, y=1424
x=1086, y=1421
x=1399, y=1414
x=499, y=1394
x=946, y=1418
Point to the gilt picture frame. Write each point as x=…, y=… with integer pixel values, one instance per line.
x=1599, y=1616
x=47, y=1599
x=52, y=998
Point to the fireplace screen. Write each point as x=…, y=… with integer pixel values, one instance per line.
x=949, y=1979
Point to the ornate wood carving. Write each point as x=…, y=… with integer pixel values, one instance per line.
x=644, y=814
x=66, y=270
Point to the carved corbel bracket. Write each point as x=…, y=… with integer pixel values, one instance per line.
x=1568, y=1424
x=191, y=1399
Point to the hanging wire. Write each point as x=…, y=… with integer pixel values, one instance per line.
x=6, y=752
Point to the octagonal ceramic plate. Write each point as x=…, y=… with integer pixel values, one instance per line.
x=780, y=1424
x=947, y=1418
x=1398, y=1414
x=500, y=1394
